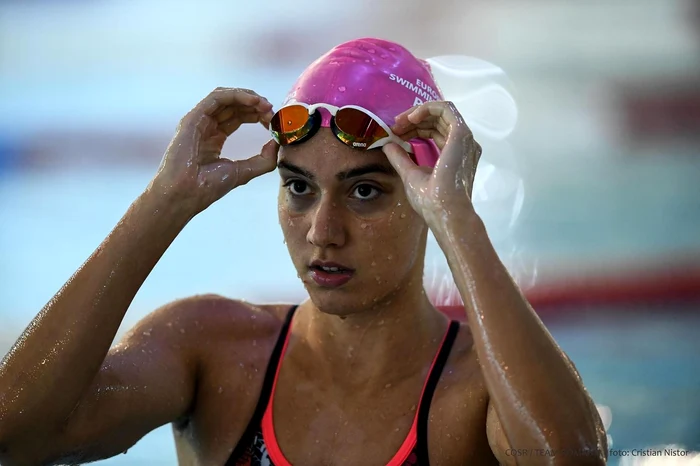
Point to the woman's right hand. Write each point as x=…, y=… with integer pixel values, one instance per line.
x=192, y=174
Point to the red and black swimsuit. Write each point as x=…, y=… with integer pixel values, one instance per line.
x=258, y=445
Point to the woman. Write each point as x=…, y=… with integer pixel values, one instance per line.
x=366, y=371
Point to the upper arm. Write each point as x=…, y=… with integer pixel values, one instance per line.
x=147, y=380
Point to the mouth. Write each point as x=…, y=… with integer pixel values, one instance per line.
x=330, y=274
x=330, y=267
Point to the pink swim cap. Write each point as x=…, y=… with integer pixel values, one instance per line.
x=381, y=76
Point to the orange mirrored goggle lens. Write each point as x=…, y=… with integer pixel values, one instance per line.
x=352, y=126
x=357, y=129
x=290, y=124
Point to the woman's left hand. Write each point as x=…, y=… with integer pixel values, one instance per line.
x=434, y=192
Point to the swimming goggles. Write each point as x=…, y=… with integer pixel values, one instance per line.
x=355, y=126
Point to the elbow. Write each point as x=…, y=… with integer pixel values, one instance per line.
x=580, y=452
x=7, y=458
x=21, y=451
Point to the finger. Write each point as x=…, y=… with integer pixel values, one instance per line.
x=224, y=96
x=223, y=175
x=400, y=160
x=259, y=164
x=426, y=133
x=431, y=123
x=233, y=123
x=405, y=127
x=405, y=113
x=444, y=110
x=214, y=102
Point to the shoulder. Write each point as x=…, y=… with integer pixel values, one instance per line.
x=462, y=375
x=209, y=318
x=458, y=410
x=462, y=371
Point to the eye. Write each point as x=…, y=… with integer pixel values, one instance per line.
x=298, y=187
x=366, y=192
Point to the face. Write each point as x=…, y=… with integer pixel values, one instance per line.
x=351, y=233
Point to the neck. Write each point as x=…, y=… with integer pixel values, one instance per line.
x=372, y=347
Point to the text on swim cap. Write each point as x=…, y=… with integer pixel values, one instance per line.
x=424, y=91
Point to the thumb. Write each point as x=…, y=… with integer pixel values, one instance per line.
x=264, y=162
x=400, y=160
x=227, y=174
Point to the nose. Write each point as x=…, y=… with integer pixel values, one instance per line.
x=327, y=228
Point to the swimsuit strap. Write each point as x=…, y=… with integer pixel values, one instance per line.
x=265, y=392
x=429, y=391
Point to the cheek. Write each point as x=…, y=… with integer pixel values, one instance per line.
x=395, y=235
x=285, y=219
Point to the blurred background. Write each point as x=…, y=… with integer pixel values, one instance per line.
x=607, y=246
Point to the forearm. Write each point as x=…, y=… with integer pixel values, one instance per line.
x=539, y=398
x=45, y=374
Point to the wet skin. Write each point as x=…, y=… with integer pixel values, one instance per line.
x=358, y=355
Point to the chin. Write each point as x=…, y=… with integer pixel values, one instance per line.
x=341, y=302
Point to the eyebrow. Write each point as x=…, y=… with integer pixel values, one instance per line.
x=341, y=176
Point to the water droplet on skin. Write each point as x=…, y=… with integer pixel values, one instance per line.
x=390, y=257
x=370, y=50
x=341, y=88
x=221, y=390
x=363, y=226
x=392, y=49
x=147, y=333
x=182, y=330
x=374, y=264
x=413, y=408
x=402, y=215
x=387, y=385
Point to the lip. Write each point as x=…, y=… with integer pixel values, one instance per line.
x=330, y=279
x=318, y=263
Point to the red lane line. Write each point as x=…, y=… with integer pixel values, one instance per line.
x=566, y=297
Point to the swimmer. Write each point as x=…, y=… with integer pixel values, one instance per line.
x=366, y=371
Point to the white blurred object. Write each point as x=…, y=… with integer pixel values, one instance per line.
x=481, y=92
